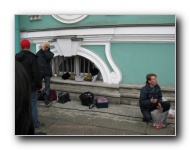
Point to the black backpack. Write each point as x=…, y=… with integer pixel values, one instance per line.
x=94, y=71
x=87, y=98
x=63, y=97
x=65, y=76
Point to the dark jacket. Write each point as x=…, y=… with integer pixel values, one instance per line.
x=29, y=61
x=147, y=93
x=44, y=61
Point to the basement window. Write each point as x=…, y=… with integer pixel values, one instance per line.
x=74, y=65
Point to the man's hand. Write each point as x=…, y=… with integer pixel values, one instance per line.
x=152, y=100
x=159, y=105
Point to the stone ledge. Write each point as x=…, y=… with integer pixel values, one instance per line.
x=117, y=93
x=139, y=86
x=83, y=83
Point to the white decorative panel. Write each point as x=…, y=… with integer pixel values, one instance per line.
x=65, y=47
x=69, y=18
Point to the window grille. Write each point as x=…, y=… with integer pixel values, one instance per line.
x=77, y=64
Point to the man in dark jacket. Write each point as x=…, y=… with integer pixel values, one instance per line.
x=44, y=61
x=151, y=98
x=29, y=61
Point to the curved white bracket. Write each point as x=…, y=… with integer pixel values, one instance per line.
x=97, y=61
x=116, y=75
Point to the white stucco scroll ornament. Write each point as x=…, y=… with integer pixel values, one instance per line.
x=69, y=19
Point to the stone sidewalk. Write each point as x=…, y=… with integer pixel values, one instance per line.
x=73, y=119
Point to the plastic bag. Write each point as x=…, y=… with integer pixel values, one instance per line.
x=171, y=114
x=164, y=99
x=159, y=118
x=79, y=78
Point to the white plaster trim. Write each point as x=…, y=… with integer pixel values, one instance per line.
x=69, y=32
x=116, y=34
x=98, y=62
x=116, y=75
x=145, y=30
x=144, y=38
x=41, y=40
x=69, y=19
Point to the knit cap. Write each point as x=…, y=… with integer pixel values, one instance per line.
x=25, y=44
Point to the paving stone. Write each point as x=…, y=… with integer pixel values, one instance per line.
x=118, y=122
x=69, y=128
x=72, y=118
x=46, y=121
x=169, y=130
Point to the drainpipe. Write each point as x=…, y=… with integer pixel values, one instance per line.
x=17, y=34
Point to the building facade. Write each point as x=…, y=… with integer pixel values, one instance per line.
x=125, y=48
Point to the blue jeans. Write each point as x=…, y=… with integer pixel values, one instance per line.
x=47, y=88
x=34, y=97
x=147, y=111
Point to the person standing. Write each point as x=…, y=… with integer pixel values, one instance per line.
x=29, y=61
x=44, y=57
x=151, y=98
x=23, y=111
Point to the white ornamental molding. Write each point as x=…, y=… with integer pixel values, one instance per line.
x=69, y=19
x=113, y=77
x=116, y=75
x=119, y=34
x=98, y=62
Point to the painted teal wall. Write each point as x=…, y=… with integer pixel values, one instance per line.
x=17, y=34
x=48, y=22
x=100, y=51
x=136, y=60
x=33, y=48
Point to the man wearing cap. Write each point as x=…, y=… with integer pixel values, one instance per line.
x=44, y=60
x=29, y=61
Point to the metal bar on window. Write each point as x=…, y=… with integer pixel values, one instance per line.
x=71, y=63
x=67, y=65
x=79, y=65
x=84, y=67
x=53, y=65
x=88, y=66
x=63, y=64
x=57, y=65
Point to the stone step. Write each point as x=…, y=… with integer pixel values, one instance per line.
x=116, y=93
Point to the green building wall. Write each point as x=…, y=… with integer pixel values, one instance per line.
x=136, y=60
x=100, y=51
x=17, y=33
x=48, y=22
